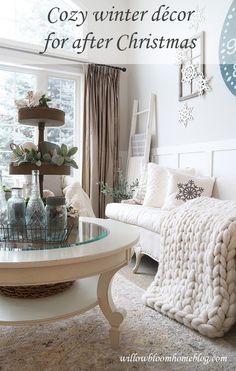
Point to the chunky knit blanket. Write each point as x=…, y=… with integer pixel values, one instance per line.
x=196, y=279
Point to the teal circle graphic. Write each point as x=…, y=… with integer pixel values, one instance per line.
x=227, y=49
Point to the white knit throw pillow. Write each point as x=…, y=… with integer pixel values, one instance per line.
x=157, y=184
x=183, y=188
x=140, y=192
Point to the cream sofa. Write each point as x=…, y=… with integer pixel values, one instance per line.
x=150, y=205
x=147, y=219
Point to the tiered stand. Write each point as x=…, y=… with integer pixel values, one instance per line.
x=41, y=117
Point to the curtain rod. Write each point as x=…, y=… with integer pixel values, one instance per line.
x=123, y=69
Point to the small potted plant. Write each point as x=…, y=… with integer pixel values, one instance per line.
x=122, y=191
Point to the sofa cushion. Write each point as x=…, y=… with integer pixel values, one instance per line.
x=142, y=216
x=140, y=192
x=76, y=197
x=183, y=188
x=157, y=183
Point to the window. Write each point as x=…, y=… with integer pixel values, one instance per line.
x=62, y=93
x=27, y=21
x=14, y=84
x=24, y=25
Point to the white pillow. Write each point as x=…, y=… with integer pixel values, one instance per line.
x=76, y=197
x=140, y=192
x=183, y=188
x=157, y=184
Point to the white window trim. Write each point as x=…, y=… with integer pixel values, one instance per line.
x=31, y=51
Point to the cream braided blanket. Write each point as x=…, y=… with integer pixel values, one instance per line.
x=196, y=279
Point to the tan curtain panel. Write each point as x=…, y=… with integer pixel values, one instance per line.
x=100, y=132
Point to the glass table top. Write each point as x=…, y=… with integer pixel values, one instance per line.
x=83, y=234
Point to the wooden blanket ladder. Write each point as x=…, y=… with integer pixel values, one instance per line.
x=140, y=143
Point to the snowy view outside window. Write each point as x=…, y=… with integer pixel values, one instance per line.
x=13, y=86
x=62, y=93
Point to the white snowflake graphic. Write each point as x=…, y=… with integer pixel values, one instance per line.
x=202, y=84
x=198, y=18
x=182, y=56
x=188, y=191
x=189, y=73
x=185, y=115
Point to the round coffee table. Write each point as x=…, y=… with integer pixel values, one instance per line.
x=98, y=250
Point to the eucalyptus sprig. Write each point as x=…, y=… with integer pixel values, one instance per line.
x=122, y=191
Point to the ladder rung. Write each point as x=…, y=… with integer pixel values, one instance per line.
x=141, y=112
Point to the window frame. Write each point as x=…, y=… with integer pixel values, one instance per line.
x=42, y=74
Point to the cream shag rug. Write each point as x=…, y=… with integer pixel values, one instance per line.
x=82, y=343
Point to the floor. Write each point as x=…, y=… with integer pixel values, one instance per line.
x=146, y=272
x=55, y=346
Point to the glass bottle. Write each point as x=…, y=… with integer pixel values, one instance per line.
x=56, y=217
x=16, y=213
x=35, y=211
x=3, y=208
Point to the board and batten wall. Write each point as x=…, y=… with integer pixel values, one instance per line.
x=215, y=159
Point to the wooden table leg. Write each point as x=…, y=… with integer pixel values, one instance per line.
x=114, y=316
x=41, y=127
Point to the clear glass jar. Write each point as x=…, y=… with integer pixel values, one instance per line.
x=3, y=208
x=35, y=211
x=56, y=218
x=16, y=212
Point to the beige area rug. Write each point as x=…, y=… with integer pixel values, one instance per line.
x=82, y=343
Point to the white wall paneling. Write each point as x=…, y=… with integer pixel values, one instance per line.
x=215, y=159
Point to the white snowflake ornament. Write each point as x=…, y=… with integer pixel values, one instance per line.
x=189, y=73
x=185, y=115
x=202, y=84
x=198, y=18
x=182, y=56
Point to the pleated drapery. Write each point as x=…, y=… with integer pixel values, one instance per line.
x=100, y=132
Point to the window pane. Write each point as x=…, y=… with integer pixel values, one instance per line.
x=54, y=135
x=19, y=18
x=68, y=137
x=13, y=85
x=6, y=137
x=24, y=134
x=5, y=158
x=62, y=93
